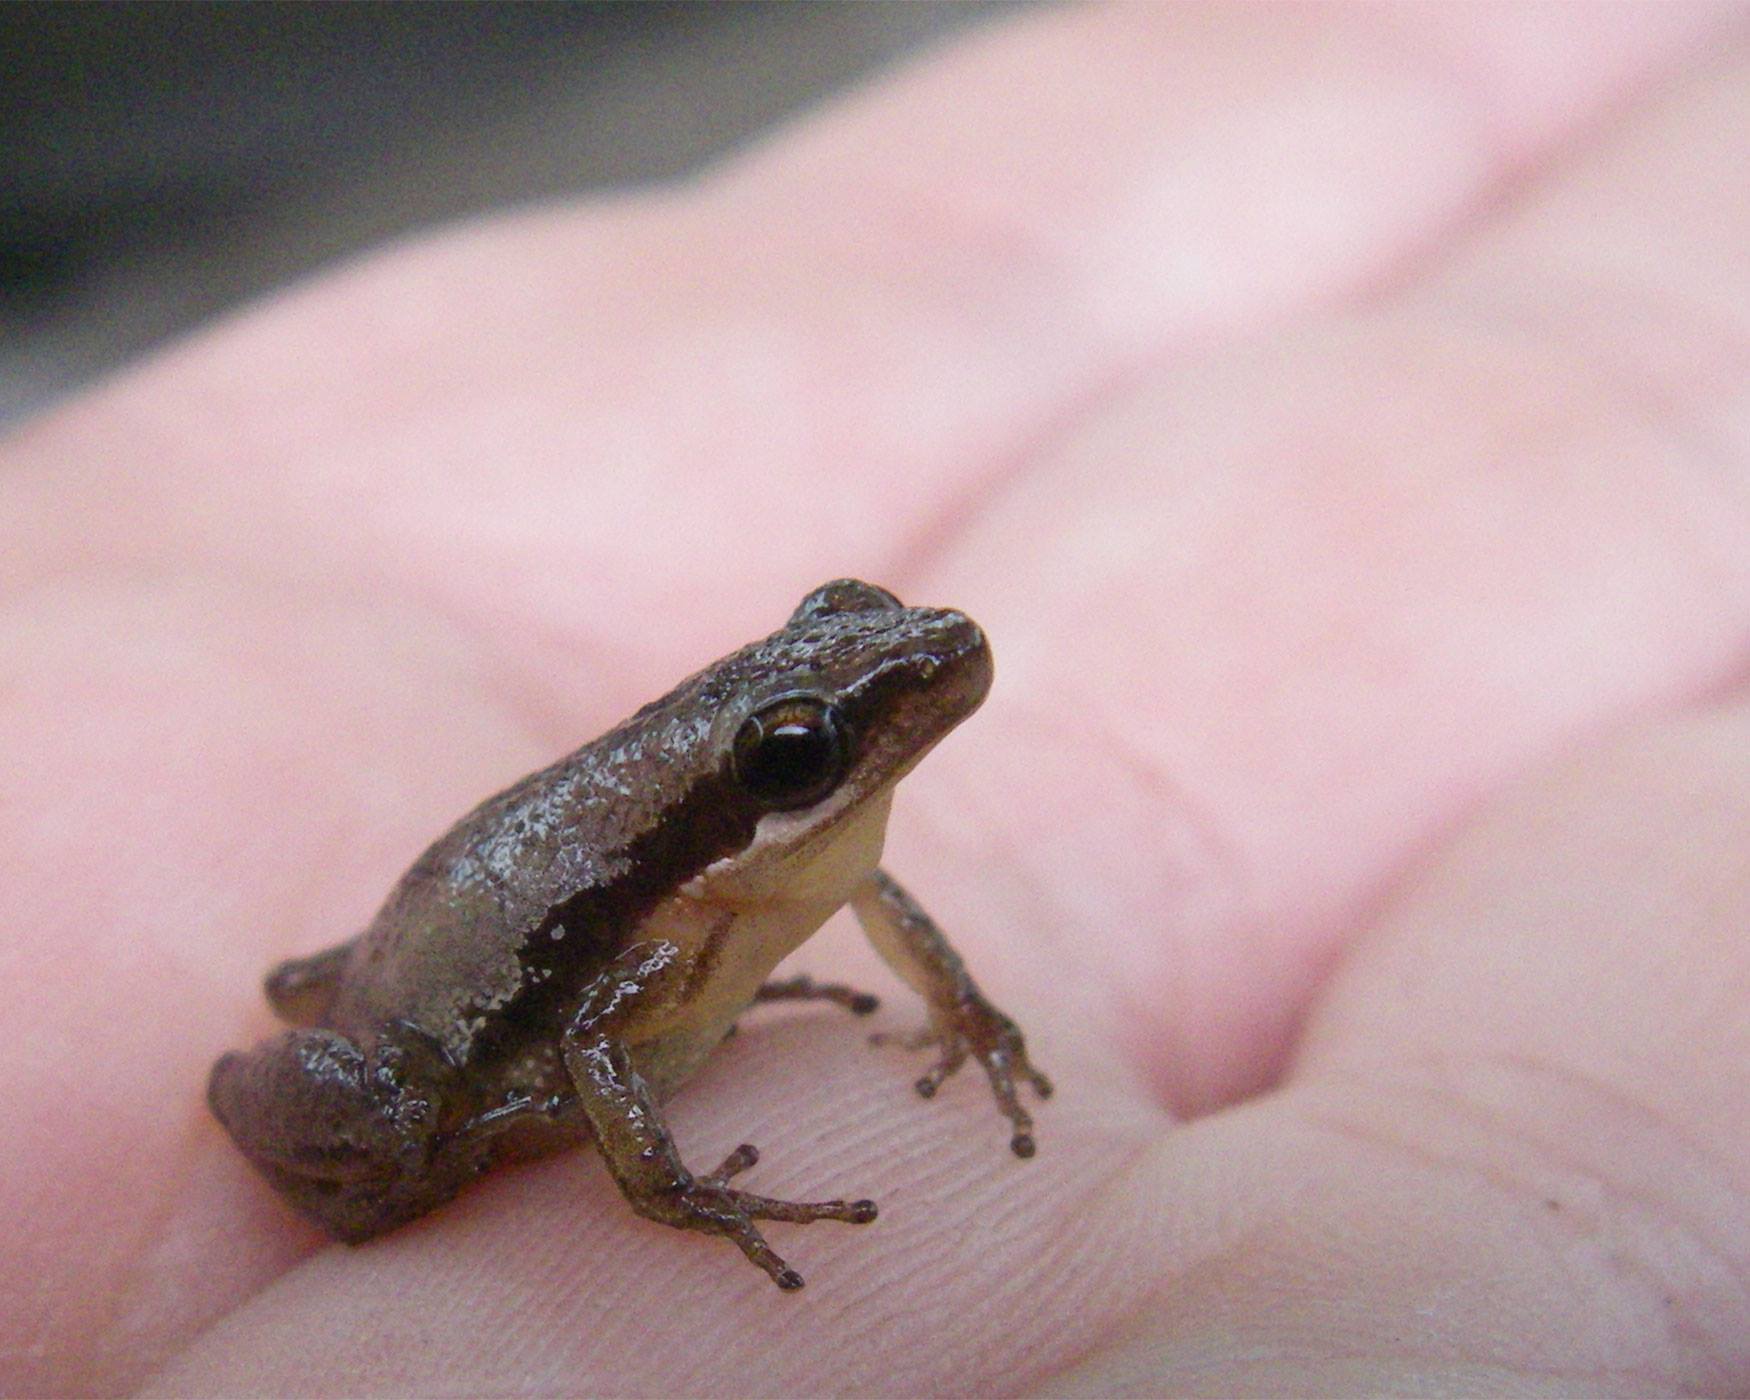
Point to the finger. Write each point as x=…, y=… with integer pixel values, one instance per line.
x=1512, y=1153
x=1272, y=623
x=197, y=778
x=976, y=1276
x=1386, y=1217
x=808, y=361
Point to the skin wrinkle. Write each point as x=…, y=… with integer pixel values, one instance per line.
x=1311, y=1357
x=1224, y=871
x=1625, y=381
x=1480, y=1160
x=137, y=1273
x=1435, y=60
x=1632, y=384
x=1669, y=1210
x=984, y=491
x=1065, y=1239
x=1399, y=884
x=528, y=698
x=934, y=541
x=1194, y=1244
x=425, y=654
x=123, y=1366
x=1508, y=174
x=1396, y=272
x=1470, y=71
x=1384, y=1369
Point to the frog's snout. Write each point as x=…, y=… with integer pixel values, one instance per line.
x=963, y=661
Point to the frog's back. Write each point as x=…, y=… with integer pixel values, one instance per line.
x=500, y=924
x=449, y=946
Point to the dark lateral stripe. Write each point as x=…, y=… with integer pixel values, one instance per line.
x=710, y=821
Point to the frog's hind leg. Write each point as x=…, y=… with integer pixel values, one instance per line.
x=300, y=990
x=343, y=1136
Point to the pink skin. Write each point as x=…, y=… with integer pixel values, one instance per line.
x=1341, y=428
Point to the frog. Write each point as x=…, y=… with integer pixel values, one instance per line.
x=559, y=962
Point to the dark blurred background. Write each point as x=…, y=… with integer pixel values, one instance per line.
x=161, y=162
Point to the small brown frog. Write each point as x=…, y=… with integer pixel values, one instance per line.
x=572, y=949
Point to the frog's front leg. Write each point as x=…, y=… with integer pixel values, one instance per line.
x=962, y=1021
x=649, y=979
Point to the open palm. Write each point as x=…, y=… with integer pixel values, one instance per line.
x=1341, y=432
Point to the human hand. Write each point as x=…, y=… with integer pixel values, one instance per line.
x=1333, y=428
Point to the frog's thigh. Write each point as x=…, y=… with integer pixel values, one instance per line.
x=300, y=990
x=303, y=1101
x=314, y=1115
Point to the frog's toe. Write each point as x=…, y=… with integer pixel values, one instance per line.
x=906, y=1040
x=802, y=1212
x=734, y=1164
x=976, y=1030
x=805, y=988
x=707, y=1204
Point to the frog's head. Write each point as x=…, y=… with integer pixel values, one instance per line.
x=840, y=704
x=811, y=728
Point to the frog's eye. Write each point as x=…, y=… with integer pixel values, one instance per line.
x=843, y=595
x=792, y=753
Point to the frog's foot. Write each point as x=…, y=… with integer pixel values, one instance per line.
x=972, y=1027
x=962, y=1022
x=805, y=988
x=301, y=990
x=709, y=1204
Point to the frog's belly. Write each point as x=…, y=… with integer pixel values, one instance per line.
x=731, y=952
